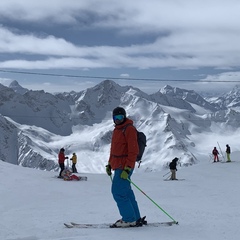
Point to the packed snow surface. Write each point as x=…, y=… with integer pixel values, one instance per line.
x=35, y=204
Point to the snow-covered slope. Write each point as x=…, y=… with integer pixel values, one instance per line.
x=34, y=204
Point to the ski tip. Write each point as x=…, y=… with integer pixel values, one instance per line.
x=68, y=225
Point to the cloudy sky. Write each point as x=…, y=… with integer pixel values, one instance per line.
x=72, y=45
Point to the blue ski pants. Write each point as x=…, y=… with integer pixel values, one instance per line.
x=124, y=197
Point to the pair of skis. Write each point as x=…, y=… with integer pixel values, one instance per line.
x=169, y=179
x=108, y=225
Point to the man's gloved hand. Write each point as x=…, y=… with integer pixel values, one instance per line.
x=108, y=170
x=125, y=173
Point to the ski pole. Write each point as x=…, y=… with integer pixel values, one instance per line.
x=221, y=151
x=152, y=201
x=168, y=178
x=166, y=174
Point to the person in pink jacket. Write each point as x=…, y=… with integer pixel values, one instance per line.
x=215, y=154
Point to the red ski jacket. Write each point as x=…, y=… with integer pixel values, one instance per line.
x=61, y=157
x=124, y=146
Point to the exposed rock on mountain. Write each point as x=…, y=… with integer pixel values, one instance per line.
x=36, y=124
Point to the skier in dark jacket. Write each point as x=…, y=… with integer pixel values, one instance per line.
x=228, y=152
x=173, y=168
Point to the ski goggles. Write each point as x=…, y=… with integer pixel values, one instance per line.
x=118, y=117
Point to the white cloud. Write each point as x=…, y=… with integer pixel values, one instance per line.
x=185, y=35
x=125, y=75
x=220, y=83
x=159, y=14
x=5, y=81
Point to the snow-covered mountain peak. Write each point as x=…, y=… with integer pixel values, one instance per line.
x=235, y=91
x=82, y=122
x=190, y=96
x=228, y=100
x=17, y=87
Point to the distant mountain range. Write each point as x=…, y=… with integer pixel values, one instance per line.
x=32, y=123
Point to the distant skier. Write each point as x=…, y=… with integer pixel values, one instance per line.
x=74, y=161
x=173, y=168
x=228, y=151
x=61, y=159
x=215, y=154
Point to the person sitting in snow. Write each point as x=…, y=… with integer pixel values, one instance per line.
x=215, y=154
x=173, y=168
x=68, y=176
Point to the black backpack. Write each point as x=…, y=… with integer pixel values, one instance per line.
x=142, y=143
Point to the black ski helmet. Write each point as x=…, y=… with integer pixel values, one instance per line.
x=119, y=111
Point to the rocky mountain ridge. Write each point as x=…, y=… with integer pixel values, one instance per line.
x=32, y=121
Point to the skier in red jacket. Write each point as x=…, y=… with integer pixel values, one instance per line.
x=61, y=159
x=123, y=154
x=215, y=154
